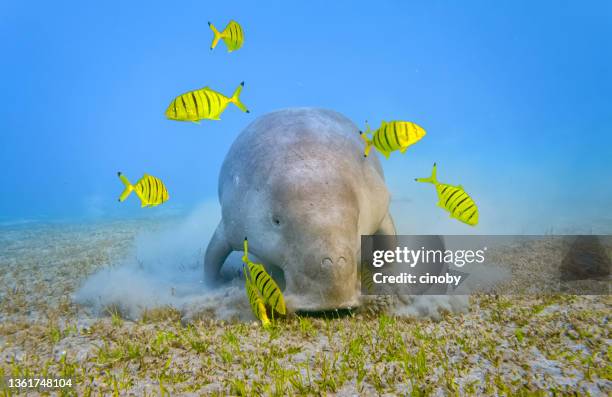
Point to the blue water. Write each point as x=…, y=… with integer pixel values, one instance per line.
x=515, y=98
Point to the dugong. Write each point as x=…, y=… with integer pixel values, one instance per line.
x=296, y=183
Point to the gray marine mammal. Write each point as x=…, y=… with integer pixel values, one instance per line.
x=296, y=183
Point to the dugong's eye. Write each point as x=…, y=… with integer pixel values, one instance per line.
x=276, y=220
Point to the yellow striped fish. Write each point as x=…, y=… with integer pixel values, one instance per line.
x=261, y=289
x=232, y=35
x=204, y=103
x=391, y=136
x=149, y=189
x=256, y=300
x=454, y=199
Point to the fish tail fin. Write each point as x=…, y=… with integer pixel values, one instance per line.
x=245, y=256
x=235, y=99
x=128, y=187
x=432, y=179
x=368, y=142
x=217, y=36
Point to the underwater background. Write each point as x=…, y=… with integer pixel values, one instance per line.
x=514, y=96
x=515, y=99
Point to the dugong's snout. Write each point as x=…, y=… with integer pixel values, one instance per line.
x=333, y=284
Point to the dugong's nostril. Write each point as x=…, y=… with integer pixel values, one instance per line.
x=327, y=262
x=341, y=261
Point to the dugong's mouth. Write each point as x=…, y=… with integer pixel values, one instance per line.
x=313, y=303
x=328, y=286
x=334, y=313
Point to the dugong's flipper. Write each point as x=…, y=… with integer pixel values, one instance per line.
x=216, y=253
x=387, y=227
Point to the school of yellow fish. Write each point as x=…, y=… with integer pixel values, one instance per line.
x=264, y=295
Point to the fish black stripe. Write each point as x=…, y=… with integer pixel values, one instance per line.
x=213, y=103
x=179, y=105
x=184, y=105
x=154, y=195
x=273, y=294
x=450, y=191
x=207, y=102
x=149, y=189
x=388, y=131
x=396, y=137
x=174, y=103
x=150, y=193
x=274, y=303
x=450, y=196
x=232, y=35
x=160, y=191
x=218, y=102
x=468, y=208
x=406, y=132
x=453, y=203
x=236, y=35
x=240, y=34
x=195, y=102
x=380, y=140
x=263, y=287
x=459, y=203
x=268, y=289
x=475, y=212
x=227, y=35
x=277, y=296
x=443, y=190
x=384, y=135
x=257, y=276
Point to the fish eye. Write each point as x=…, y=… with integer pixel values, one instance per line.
x=276, y=220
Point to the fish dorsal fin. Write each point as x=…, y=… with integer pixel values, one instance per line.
x=383, y=123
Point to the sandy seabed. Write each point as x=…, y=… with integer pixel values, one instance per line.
x=502, y=345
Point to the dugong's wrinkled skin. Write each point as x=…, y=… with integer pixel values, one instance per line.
x=296, y=183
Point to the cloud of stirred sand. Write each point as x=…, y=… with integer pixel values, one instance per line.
x=165, y=268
